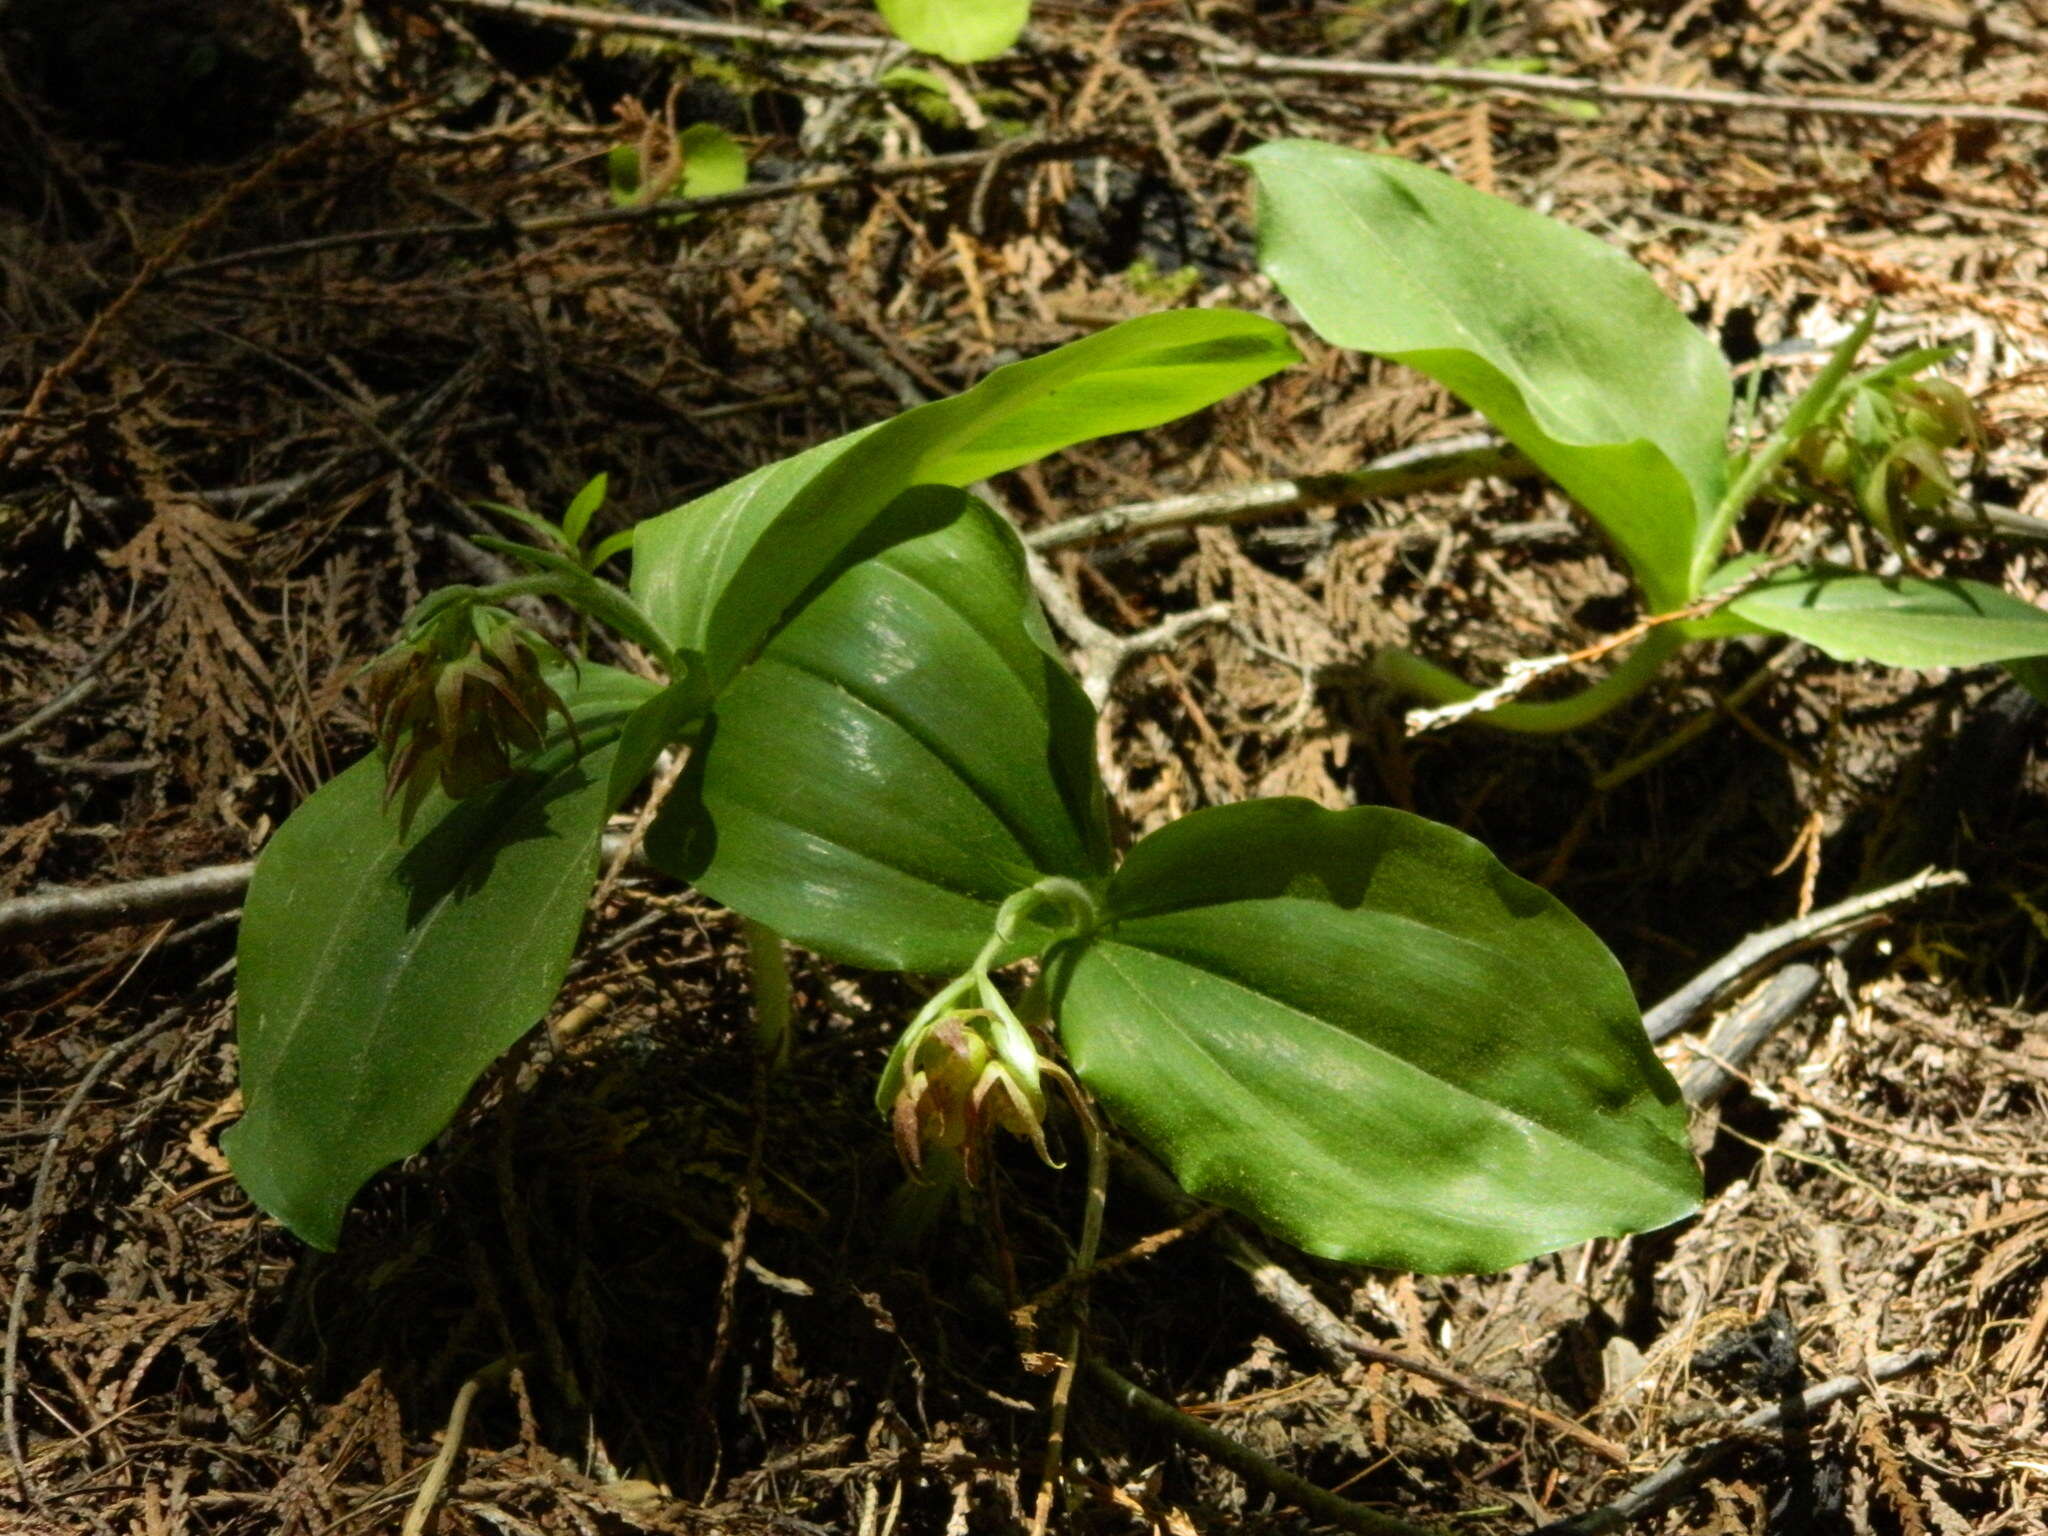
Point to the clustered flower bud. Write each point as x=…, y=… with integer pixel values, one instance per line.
x=1883, y=451
x=958, y=1088
x=454, y=701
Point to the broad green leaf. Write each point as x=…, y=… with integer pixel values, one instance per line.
x=907, y=752
x=1565, y=344
x=379, y=975
x=2031, y=673
x=1363, y=1032
x=719, y=574
x=1898, y=621
x=959, y=31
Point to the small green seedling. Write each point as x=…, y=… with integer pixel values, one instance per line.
x=1579, y=360
x=1354, y=1026
x=704, y=161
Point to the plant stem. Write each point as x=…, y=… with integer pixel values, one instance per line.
x=768, y=966
x=1411, y=674
x=1070, y=1342
x=1808, y=409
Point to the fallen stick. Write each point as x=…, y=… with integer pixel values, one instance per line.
x=1244, y=1461
x=1426, y=467
x=1013, y=153
x=1338, y=1343
x=1278, y=66
x=1693, y=1465
x=88, y=909
x=1747, y=960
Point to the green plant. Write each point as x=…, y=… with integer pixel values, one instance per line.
x=958, y=31
x=1579, y=360
x=701, y=161
x=1357, y=1026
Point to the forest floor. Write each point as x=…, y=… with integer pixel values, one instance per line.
x=232, y=453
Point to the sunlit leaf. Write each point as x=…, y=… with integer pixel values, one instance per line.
x=959, y=31
x=907, y=751
x=1561, y=341
x=1362, y=1031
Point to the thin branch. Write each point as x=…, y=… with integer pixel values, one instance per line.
x=1747, y=960
x=1693, y=1465
x=1340, y=1345
x=1277, y=66
x=1427, y=467
x=424, y=1504
x=88, y=909
x=964, y=163
x=1246, y=1462
x=676, y=28
x=1100, y=664
x=1712, y=1068
x=85, y=683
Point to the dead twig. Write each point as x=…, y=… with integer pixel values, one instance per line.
x=1692, y=1466
x=961, y=164
x=88, y=909
x=1426, y=467
x=85, y=683
x=195, y=893
x=420, y=1516
x=1715, y=1065
x=1245, y=1462
x=1340, y=1345
x=1748, y=959
x=627, y=24
x=1279, y=66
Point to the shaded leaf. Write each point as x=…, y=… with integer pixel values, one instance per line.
x=379, y=975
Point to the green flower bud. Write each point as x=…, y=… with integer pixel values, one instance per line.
x=1938, y=413
x=957, y=1090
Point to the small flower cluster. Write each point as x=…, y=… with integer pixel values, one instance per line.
x=1883, y=451
x=454, y=701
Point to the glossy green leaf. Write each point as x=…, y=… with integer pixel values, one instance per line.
x=907, y=752
x=959, y=31
x=1563, y=342
x=1362, y=1031
x=379, y=975
x=719, y=574
x=1899, y=621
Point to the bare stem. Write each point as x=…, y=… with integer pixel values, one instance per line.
x=1411, y=674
